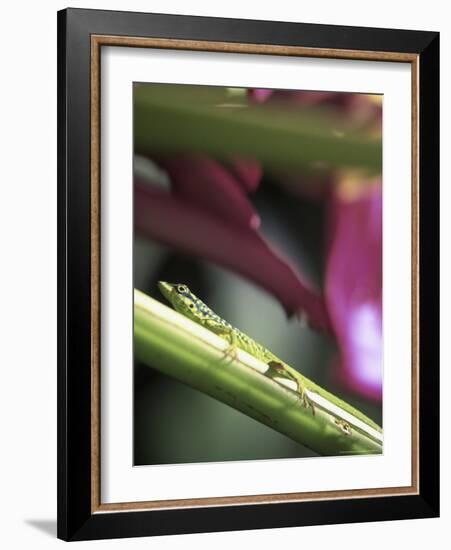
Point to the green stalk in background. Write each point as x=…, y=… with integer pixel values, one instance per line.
x=178, y=347
x=196, y=119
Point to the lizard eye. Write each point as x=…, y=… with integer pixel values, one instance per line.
x=182, y=288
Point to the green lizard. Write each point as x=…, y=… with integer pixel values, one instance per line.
x=189, y=305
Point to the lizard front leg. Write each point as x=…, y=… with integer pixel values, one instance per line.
x=228, y=334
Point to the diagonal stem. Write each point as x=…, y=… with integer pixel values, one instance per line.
x=171, y=343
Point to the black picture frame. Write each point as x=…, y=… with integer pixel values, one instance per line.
x=76, y=518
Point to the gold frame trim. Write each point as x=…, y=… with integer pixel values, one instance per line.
x=97, y=41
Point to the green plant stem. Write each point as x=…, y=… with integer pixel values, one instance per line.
x=171, y=119
x=171, y=343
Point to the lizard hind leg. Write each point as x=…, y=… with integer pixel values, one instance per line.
x=306, y=401
x=278, y=370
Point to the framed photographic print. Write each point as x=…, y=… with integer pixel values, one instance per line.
x=248, y=274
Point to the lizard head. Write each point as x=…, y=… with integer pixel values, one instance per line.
x=182, y=299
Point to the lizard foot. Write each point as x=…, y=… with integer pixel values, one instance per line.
x=231, y=352
x=306, y=401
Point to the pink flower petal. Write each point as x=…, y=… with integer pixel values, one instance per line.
x=353, y=287
x=259, y=95
x=247, y=172
x=192, y=229
x=207, y=184
x=361, y=109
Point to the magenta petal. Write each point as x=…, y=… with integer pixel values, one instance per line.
x=354, y=288
x=247, y=172
x=206, y=183
x=259, y=95
x=189, y=228
x=307, y=99
x=357, y=107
